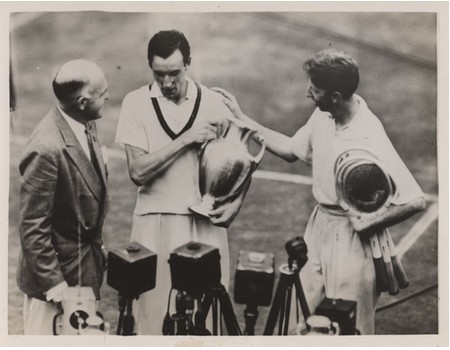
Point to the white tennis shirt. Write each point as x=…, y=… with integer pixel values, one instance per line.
x=319, y=143
x=139, y=126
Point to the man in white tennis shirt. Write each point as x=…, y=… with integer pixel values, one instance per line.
x=339, y=256
x=162, y=126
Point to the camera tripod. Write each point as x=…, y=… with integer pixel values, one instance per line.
x=183, y=322
x=125, y=324
x=281, y=305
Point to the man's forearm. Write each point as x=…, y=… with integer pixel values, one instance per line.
x=394, y=215
x=144, y=167
x=276, y=142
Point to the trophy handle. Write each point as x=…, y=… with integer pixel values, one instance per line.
x=258, y=158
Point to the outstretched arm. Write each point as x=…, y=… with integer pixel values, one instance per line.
x=276, y=142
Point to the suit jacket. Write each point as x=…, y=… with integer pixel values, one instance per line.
x=63, y=203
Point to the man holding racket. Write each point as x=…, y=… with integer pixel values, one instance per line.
x=340, y=264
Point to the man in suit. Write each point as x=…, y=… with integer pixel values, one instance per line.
x=63, y=197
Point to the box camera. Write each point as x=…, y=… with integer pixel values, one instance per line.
x=131, y=270
x=79, y=306
x=195, y=268
x=254, y=278
x=341, y=311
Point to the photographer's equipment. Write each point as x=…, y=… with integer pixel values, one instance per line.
x=253, y=284
x=321, y=325
x=195, y=267
x=289, y=278
x=78, y=315
x=195, y=273
x=131, y=271
x=364, y=187
x=343, y=312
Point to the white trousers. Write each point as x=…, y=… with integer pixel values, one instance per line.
x=162, y=233
x=38, y=316
x=339, y=266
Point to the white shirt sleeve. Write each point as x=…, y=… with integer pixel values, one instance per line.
x=130, y=130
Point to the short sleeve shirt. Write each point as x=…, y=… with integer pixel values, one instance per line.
x=319, y=143
x=139, y=126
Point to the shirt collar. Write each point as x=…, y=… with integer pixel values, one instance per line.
x=77, y=127
x=191, y=92
x=362, y=108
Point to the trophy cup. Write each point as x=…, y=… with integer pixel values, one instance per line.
x=226, y=164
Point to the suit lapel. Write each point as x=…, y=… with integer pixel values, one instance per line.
x=78, y=156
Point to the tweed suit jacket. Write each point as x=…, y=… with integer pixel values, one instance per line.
x=63, y=203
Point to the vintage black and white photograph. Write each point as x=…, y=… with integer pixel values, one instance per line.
x=210, y=173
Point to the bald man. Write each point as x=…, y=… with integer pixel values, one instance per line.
x=63, y=197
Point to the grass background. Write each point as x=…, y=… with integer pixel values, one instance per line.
x=258, y=57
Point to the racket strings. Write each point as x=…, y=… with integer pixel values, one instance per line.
x=366, y=187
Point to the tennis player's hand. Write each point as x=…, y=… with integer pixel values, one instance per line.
x=202, y=132
x=362, y=223
x=225, y=213
x=227, y=207
x=357, y=221
x=231, y=102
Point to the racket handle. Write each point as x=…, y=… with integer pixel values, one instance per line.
x=392, y=280
x=399, y=271
x=380, y=272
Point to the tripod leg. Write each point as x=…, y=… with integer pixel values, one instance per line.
x=276, y=304
x=128, y=322
x=214, y=315
x=226, y=307
x=250, y=315
x=122, y=304
x=301, y=297
x=287, y=310
x=203, y=312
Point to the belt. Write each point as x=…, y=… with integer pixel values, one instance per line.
x=334, y=210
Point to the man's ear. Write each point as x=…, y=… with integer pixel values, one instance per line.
x=336, y=97
x=188, y=62
x=81, y=102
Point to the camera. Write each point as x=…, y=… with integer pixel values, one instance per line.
x=78, y=314
x=195, y=268
x=131, y=270
x=254, y=278
x=341, y=311
x=297, y=251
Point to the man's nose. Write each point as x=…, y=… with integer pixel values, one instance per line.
x=167, y=81
x=107, y=96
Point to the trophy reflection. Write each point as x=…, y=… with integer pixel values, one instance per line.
x=226, y=164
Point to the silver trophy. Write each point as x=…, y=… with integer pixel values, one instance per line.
x=226, y=164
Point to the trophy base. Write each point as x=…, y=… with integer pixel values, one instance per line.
x=204, y=207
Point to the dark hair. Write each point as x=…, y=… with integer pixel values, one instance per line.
x=333, y=70
x=165, y=43
x=66, y=90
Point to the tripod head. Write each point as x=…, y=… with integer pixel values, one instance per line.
x=297, y=252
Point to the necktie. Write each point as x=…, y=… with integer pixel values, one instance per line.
x=94, y=159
